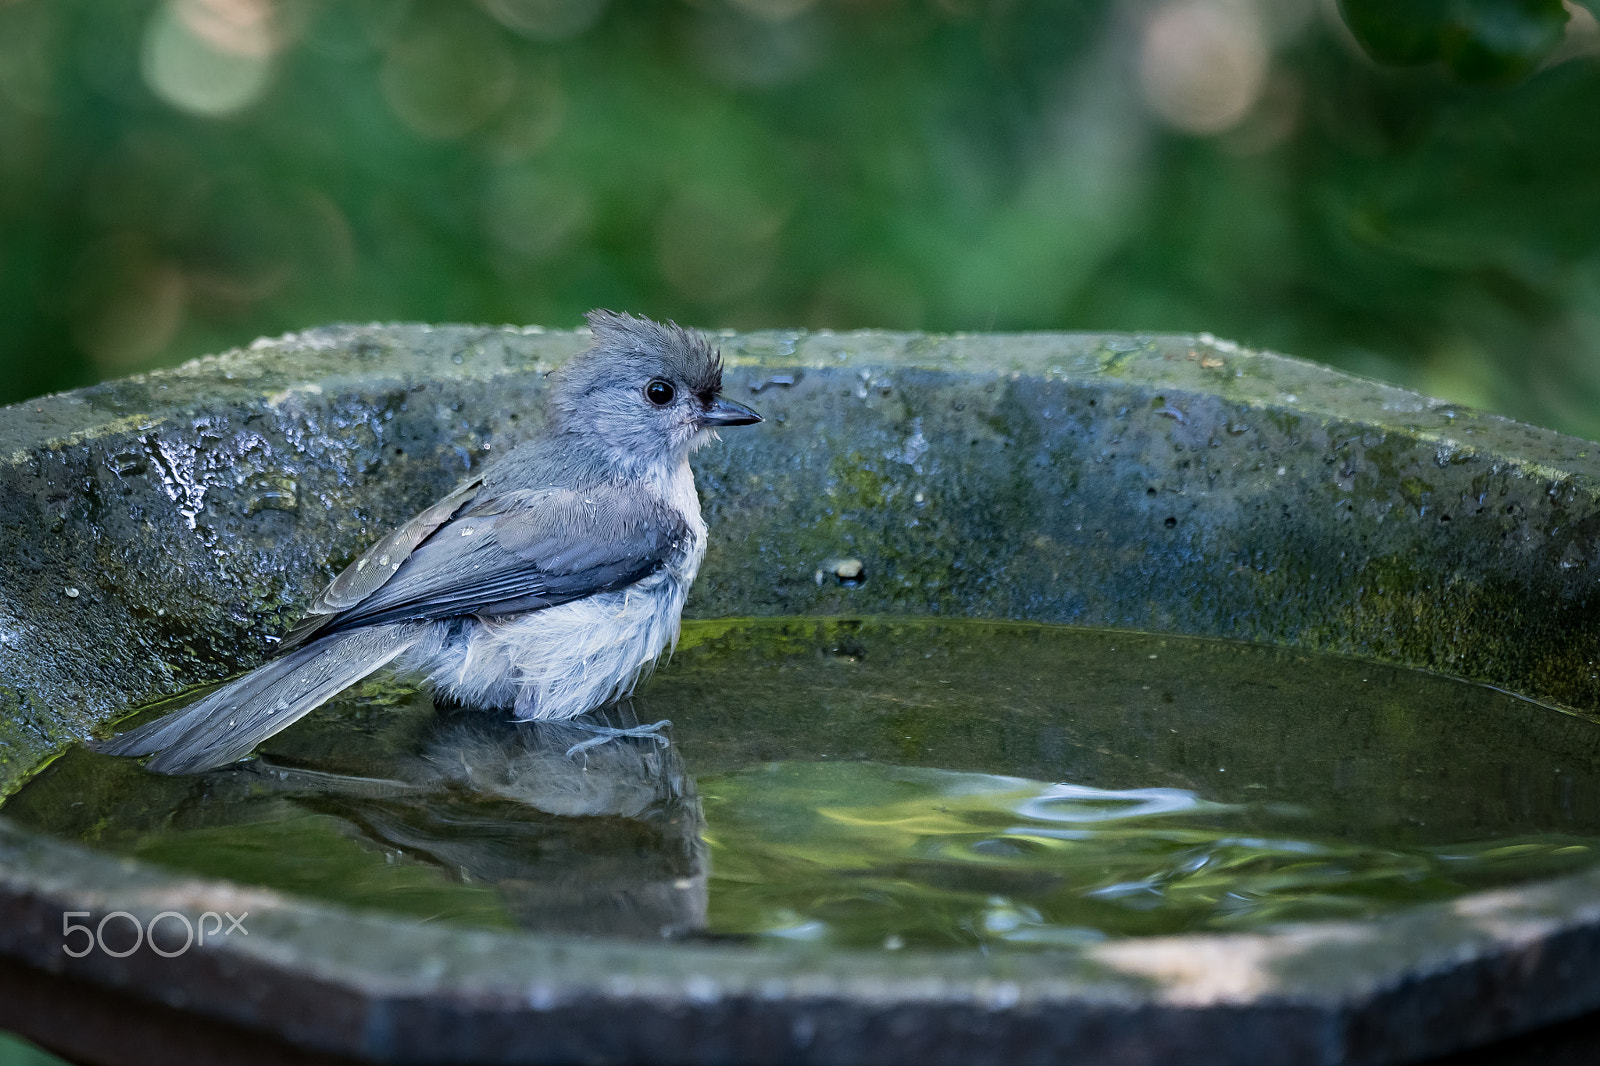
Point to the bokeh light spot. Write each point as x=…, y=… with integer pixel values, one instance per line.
x=546, y=20
x=445, y=76
x=1202, y=63
x=532, y=215
x=716, y=246
x=127, y=301
x=195, y=74
x=532, y=116
x=775, y=10
x=239, y=239
x=29, y=37
x=737, y=50
x=233, y=27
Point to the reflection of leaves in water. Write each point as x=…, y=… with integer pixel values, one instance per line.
x=863, y=853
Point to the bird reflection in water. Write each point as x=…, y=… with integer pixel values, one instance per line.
x=607, y=841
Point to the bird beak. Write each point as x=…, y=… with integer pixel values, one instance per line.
x=727, y=413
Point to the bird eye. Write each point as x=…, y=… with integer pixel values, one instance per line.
x=659, y=392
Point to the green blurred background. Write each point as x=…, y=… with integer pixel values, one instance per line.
x=183, y=176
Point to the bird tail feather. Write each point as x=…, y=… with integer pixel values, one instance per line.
x=225, y=725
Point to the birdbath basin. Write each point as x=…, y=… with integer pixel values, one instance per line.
x=160, y=530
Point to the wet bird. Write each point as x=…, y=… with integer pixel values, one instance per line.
x=546, y=584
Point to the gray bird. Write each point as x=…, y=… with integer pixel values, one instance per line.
x=548, y=583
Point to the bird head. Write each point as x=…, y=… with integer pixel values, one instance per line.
x=646, y=393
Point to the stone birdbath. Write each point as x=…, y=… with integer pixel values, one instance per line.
x=157, y=530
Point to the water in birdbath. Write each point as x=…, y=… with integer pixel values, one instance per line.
x=890, y=784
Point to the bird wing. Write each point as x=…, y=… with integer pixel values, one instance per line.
x=523, y=551
x=374, y=569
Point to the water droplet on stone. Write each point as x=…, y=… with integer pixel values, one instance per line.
x=272, y=493
x=126, y=464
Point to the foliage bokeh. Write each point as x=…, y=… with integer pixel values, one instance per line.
x=181, y=176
